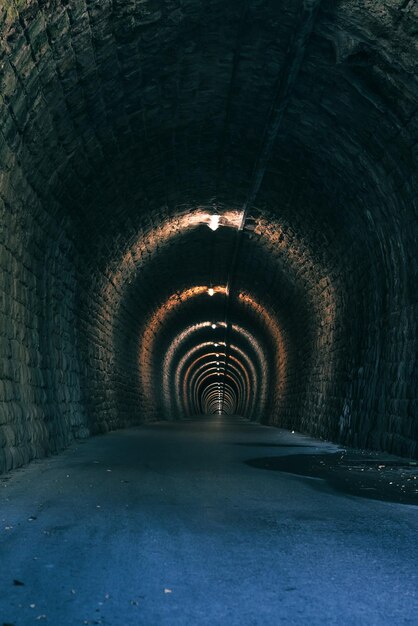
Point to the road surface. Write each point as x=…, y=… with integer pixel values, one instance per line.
x=167, y=524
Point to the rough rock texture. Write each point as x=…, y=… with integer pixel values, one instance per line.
x=123, y=127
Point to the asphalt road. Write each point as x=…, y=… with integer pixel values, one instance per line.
x=167, y=524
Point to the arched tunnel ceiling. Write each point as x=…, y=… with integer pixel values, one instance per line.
x=181, y=93
x=123, y=128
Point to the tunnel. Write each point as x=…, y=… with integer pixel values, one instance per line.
x=208, y=214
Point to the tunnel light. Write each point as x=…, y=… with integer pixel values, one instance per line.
x=211, y=291
x=213, y=326
x=217, y=356
x=214, y=222
x=216, y=345
x=217, y=363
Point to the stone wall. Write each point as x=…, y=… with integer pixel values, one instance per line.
x=123, y=127
x=40, y=402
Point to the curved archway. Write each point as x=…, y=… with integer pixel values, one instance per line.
x=286, y=177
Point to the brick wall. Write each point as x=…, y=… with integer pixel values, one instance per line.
x=123, y=126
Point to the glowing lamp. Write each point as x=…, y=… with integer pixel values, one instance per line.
x=211, y=291
x=214, y=222
x=213, y=326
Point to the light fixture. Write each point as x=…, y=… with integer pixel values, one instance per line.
x=214, y=222
x=213, y=326
x=217, y=356
x=216, y=345
x=211, y=291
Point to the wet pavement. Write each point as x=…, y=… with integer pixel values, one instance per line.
x=360, y=473
x=185, y=523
